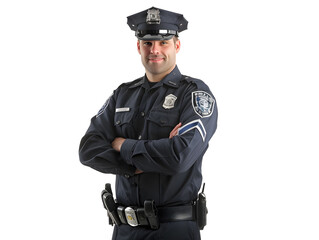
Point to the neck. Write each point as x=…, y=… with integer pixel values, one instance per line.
x=157, y=77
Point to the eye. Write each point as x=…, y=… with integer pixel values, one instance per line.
x=164, y=42
x=147, y=43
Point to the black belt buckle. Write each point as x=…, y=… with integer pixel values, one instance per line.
x=151, y=214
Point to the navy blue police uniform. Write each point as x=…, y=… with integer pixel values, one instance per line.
x=144, y=114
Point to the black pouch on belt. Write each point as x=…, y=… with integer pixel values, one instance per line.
x=110, y=205
x=151, y=214
x=201, y=210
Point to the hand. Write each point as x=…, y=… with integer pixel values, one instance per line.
x=175, y=130
x=171, y=135
x=117, y=143
x=137, y=171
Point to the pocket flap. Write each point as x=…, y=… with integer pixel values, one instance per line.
x=164, y=118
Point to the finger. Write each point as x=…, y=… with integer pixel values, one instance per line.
x=176, y=127
x=175, y=130
x=137, y=171
x=172, y=133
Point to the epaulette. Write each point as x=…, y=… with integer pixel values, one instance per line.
x=132, y=83
x=199, y=83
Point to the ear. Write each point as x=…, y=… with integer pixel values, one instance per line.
x=178, y=45
x=138, y=47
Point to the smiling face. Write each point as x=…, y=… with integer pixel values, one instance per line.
x=158, y=57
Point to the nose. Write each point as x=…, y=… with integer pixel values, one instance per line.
x=155, y=47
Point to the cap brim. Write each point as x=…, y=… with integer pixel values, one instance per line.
x=159, y=37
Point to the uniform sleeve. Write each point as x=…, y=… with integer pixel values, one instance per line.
x=177, y=155
x=95, y=148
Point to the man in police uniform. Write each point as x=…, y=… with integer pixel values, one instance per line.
x=152, y=134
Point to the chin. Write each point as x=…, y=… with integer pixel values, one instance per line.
x=155, y=69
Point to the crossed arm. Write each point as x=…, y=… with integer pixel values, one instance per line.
x=118, y=141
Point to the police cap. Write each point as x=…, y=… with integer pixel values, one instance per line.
x=156, y=24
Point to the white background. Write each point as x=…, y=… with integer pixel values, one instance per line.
x=59, y=62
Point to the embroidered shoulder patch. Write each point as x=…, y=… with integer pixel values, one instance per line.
x=104, y=107
x=203, y=103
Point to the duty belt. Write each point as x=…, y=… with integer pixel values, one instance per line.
x=149, y=216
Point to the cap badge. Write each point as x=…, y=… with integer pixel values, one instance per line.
x=153, y=16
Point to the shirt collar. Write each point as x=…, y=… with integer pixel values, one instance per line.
x=139, y=83
x=172, y=79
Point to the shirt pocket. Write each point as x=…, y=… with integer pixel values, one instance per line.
x=123, y=124
x=161, y=123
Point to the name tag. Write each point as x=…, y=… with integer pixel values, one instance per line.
x=125, y=109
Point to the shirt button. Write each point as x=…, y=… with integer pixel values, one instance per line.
x=142, y=114
x=127, y=176
x=118, y=122
x=140, y=137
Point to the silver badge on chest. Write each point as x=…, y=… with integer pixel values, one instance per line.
x=169, y=101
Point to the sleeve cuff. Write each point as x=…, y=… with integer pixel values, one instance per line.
x=129, y=172
x=127, y=150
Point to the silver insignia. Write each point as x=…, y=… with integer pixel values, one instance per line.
x=153, y=16
x=169, y=101
x=124, y=109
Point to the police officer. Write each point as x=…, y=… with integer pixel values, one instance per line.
x=152, y=134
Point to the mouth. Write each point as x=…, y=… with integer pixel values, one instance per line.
x=156, y=58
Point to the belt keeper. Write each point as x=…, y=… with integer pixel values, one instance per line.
x=121, y=213
x=151, y=214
